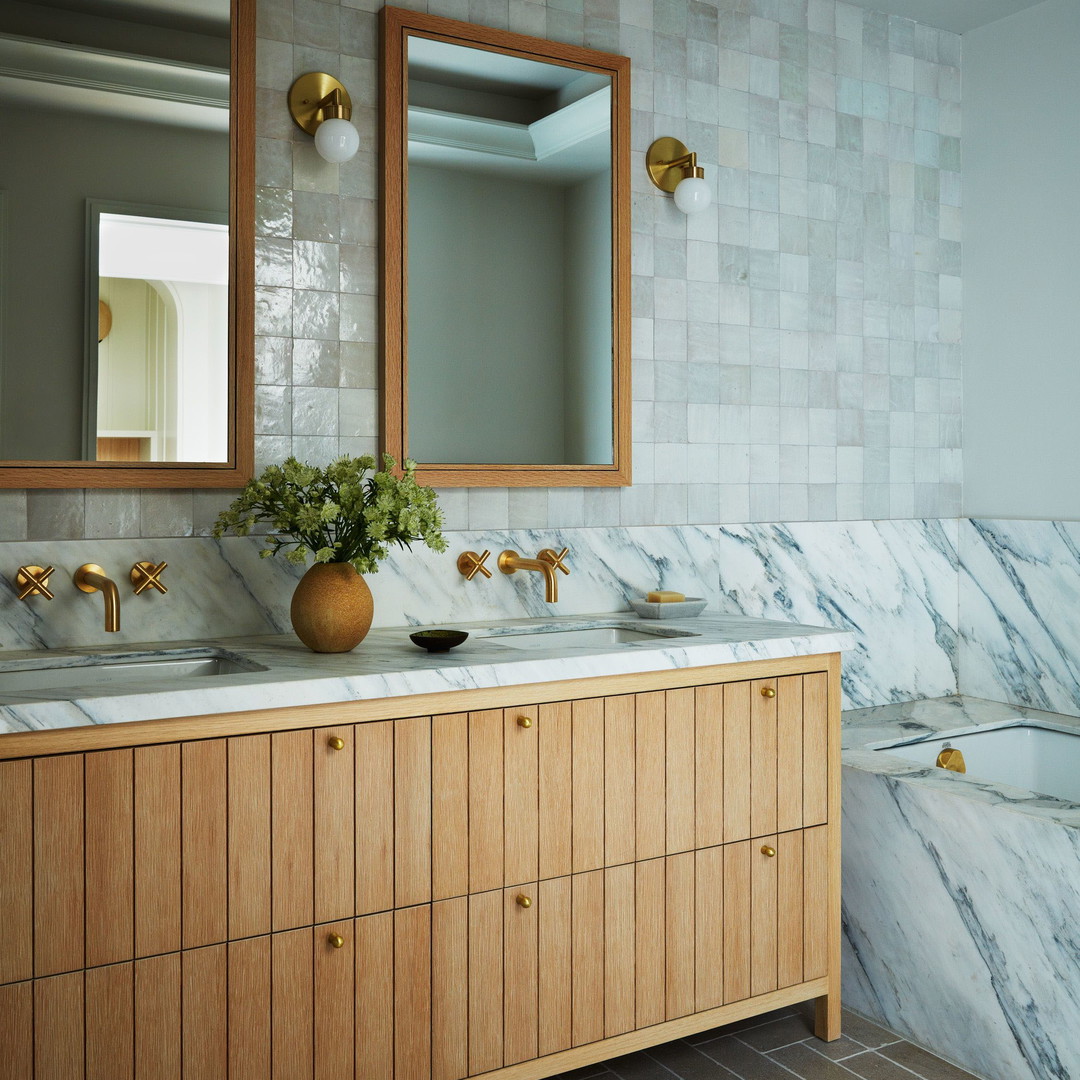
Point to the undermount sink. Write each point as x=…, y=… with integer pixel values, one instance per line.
x=590, y=636
x=55, y=672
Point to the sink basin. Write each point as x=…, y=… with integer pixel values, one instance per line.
x=52, y=673
x=589, y=636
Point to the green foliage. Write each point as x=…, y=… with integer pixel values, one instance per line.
x=343, y=513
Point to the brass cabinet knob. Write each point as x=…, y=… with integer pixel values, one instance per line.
x=524, y=721
x=768, y=691
x=336, y=742
x=766, y=850
x=524, y=901
x=336, y=940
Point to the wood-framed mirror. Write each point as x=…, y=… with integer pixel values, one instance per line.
x=127, y=245
x=506, y=256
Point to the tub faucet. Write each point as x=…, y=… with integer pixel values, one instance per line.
x=546, y=563
x=91, y=578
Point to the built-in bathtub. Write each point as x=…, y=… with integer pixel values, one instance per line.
x=961, y=892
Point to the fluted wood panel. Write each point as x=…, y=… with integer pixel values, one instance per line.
x=412, y=993
x=679, y=935
x=449, y=989
x=709, y=928
x=17, y=1023
x=815, y=748
x=588, y=784
x=204, y=861
x=485, y=800
x=158, y=1027
x=374, y=1031
x=520, y=807
x=249, y=836
x=709, y=765
x=620, y=840
x=157, y=849
x=763, y=915
x=204, y=979
x=292, y=827
x=374, y=817
x=333, y=1002
x=335, y=870
x=17, y=879
x=110, y=883
x=59, y=1032
x=762, y=758
x=291, y=994
x=485, y=981
x=520, y=979
x=587, y=937
x=736, y=761
x=555, y=976
x=736, y=921
x=249, y=1009
x=555, y=738
x=412, y=811
x=679, y=756
x=789, y=908
x=449, y=805
x=815, y=902
x=619, y=944
x=110, y=1021
x=649, y=942
x=651, y=778
x=789, y=753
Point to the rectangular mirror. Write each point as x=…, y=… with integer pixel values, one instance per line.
x=506, y=256
x=127, y=244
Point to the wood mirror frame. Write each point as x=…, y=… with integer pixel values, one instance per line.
x=237, y=470
x=397, y=26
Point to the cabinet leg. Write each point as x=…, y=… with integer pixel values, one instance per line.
x=827, y=1017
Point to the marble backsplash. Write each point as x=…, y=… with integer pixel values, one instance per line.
x=893, y=583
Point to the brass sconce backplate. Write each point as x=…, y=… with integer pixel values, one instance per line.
x=658, y=160
x=306, y=96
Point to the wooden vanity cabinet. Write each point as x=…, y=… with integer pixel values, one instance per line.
x=380, y=891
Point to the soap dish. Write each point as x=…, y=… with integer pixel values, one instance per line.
x=438, y=640
x=677, y=609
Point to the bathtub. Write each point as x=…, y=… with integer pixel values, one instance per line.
x=961, y=893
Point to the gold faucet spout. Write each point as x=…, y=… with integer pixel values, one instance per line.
x=92, y=578
x=511, y=561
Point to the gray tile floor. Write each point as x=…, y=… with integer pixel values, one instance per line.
x=779, y=1046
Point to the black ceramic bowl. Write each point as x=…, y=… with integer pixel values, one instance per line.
x=438, y=640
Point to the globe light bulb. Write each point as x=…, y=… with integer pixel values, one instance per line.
x=337, y=141
x=692, y=195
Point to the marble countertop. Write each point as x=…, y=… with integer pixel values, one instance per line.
x=863, y=729
x=387, y=664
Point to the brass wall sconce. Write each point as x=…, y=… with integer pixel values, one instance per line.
x=674, y=168
x=322, y=107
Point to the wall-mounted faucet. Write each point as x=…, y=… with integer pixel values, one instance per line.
x=546, y=562
x=91, y=578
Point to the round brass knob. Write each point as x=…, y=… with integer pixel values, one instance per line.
x=335, y=742
x=766, y=850
x=336, y=940
x=768, y=691
x=524, y=901
x=524, y=721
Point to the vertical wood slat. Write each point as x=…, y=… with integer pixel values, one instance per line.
x=650, y=933
x=736, y=761
x=110, y=1022
x=374, y=1032
x=157, y=1017
x=815, y=902
x=249, y=1008
x=449, y=989
x=292, y=992
x=679, y=934
x=620, y=826
x=292, y=829
x=588, y=784
x=762, y=758
x=412, y=811
x=110, y=881
x=619, y=946
x=789, y=753
x=157, y=850
x=485, y=981
x=59, y=1030
x=449, y=805
x=556, y=971
x=335, y=872
x=412, y=993
x=58, y=865
x=485, y=800
x=586, y=943
x=763, y=917
x=789, y=908
x=374, y=816
x=736, y=921
x=815, y=748
x=679, y=706
x=17, y=879
x=651, y=778
x=520, y=980
x=334, y=997
x=520, y=802
x=709, y=928
x=17, y=1024
x=203, y=843
x=249, y=835
x=555, y=743
x=709, y=762
x=204, y=978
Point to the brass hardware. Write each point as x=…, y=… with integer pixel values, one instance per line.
x=316, y=97
x=668, y=162
x=90, y=578
x=336, y=940
x=524, y=721
x=470, y=564
x=768, y=692
x=524, y=901
x=336, y=742
x=950, y=758
x=546, y=563
x=145, y=575
x=33, y=581
x=770, y=851
x=104, y=321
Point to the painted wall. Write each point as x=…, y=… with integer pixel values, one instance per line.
x=1021, y=274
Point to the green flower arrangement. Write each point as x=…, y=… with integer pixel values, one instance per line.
x=345, y=513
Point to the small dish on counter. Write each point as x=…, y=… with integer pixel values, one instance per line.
x=675, y=609
x=438, y=640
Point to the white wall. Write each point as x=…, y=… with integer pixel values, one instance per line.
x=1022, y=265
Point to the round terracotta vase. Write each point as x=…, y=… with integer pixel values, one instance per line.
x=331, y=608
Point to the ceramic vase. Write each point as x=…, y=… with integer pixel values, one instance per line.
x=331, y=608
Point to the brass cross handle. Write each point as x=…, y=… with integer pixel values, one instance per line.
x=33, y=581
x=146, y=574
x=470, y=564
x=555, y=558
